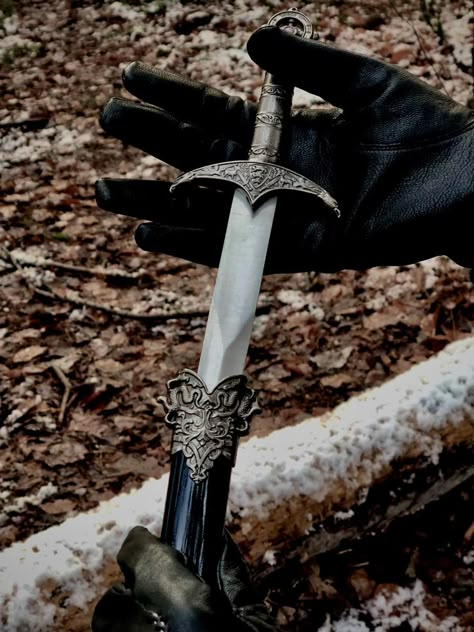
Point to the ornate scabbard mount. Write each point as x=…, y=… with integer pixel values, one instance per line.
x=207, y=424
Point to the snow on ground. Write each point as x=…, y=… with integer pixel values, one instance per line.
x=369, y=431
x=372, y=429
x=392, y=610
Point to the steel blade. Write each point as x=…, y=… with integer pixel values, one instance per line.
x=236, y=290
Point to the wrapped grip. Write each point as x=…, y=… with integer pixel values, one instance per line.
x=274, y=104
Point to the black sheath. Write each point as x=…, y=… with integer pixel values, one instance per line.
x=195, y=513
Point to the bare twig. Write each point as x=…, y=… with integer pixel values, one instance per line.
x=67, y=390
x=43, y=262
x=421, y=45
x=115, y=311
x=26, y=124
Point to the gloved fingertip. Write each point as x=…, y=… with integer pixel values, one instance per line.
x=147, y=238
x=139, y=531
x=108, y=115
x=262, y=43
x=103, y=194
x=130, y=72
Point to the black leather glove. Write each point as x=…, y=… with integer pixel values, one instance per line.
x=398, y=156
x=161, y=593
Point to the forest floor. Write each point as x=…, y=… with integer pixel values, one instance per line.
x=91, y=328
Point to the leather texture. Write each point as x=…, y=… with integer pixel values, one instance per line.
x=160, y=590
x=397, y=154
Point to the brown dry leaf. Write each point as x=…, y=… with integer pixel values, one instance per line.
x=333, y=291
x=337, y=380
x=387, y=590
x=88, y=423
x=392, y=315
x=362, y=584
x=33, y=369
x=332, y=359
x=132, y=464
x=8, y=211
x=108, y=366
x=297, y=365
x=100, y=291
x=23, y=334
x=125, y=423
x=320, y=586
x=67, y=361
x=64, y=453
x=118, y=339
x=88, y=220
x=58, y=506
x=29, y=353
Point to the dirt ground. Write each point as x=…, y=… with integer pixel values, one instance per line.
x=91, y=328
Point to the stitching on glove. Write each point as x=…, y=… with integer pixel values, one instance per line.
x=431, y=143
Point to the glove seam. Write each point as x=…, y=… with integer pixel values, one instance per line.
x=432, y=142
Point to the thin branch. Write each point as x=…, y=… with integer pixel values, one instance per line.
x=115, y=311
x=27, y=124
x=67, y=390
x=421, y=45
x=43, y=262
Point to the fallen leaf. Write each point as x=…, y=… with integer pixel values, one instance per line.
x=337, y=380
x=23, y=334
x=67, y=361
x=28, y=353
x=58, y=506
x=362, y=584
x=332, y=359
x=63, y=453
x=392, y=315
x=87, y=422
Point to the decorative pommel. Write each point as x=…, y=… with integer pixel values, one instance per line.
x=294, y=22
x=207, y=424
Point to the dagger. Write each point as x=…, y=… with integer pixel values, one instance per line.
x=209, y=409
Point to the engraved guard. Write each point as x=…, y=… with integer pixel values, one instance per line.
x=258, y=180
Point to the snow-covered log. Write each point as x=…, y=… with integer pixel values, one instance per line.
x=300, y=490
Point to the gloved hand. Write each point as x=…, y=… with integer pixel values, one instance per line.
x=160, y=593
x=398, y=156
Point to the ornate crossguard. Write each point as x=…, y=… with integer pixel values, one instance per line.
x=258, y=176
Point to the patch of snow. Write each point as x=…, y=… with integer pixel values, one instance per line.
x=469, y=557
x=458, y=31
x=18, y=147
x=371, y=429
x=10, y=24
x=343, y=515
x=407, y=605
x=125, y=11
x=45, y=491
x=316, y=311
x=269, y=557
x=295, y=298
x=388, y=611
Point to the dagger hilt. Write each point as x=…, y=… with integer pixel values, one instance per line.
x=274, y=105
x=259, y=176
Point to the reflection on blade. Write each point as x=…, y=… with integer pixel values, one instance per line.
x=236, y=290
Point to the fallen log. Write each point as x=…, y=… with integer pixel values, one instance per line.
x=300, y=491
